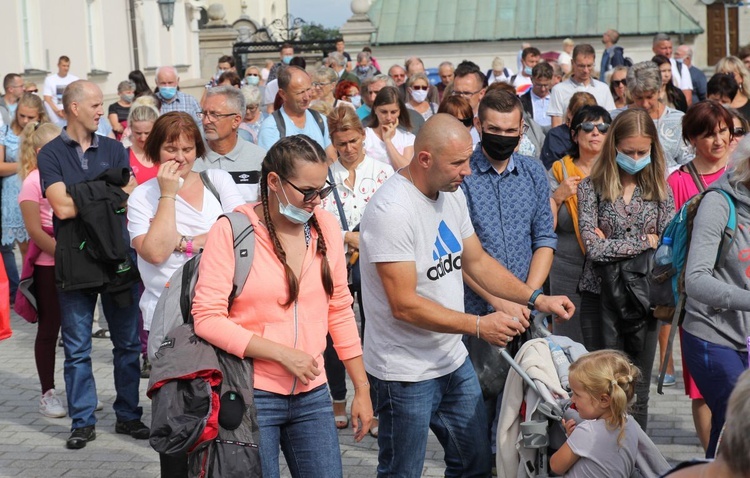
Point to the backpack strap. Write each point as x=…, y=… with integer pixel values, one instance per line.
x=280, y=125
x=677, y=317
x=513, y=79
x=209, y=185
x=728, y=236
x=694, y=174
x=339, y=206
x=564, y=169
x=244, y=250
x=319, y=119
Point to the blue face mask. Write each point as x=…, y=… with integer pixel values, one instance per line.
x=167, y=92
x=527, y=70
x=356, y=100
x=293, y=213
x=252, y=80
x=630, y=165
x=287, y=59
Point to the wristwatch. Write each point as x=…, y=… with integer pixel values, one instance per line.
x=532, y=299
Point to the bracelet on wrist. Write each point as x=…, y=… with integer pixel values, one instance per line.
x=478, y=318
x=534, y=296
x=189, y=247
x=167, y=197
x=181, y=244
x=365, y=384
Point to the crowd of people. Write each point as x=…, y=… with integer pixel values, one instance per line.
x=458, y=214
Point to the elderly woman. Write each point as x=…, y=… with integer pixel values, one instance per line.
x=618, y=85
x=252, y=76
x=417, y=86
x=588, y=130
x=735, y=66
x=717, y=311
x=324, y=84
x=347, y=92
x=169, y=216
x=644, y=84
x=357, y=177
x=250, y=126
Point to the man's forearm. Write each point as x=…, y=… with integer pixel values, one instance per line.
x=541, y=263
x=497, y=280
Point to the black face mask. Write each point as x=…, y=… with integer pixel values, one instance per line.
x=497, y=147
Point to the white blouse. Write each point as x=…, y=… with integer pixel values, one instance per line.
x=370, y=175
x=375, y=147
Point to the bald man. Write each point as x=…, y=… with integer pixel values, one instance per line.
x=76, y=156
x=416, y=241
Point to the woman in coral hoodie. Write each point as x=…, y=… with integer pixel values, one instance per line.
x=296, y=293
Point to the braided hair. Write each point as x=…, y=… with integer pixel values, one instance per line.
x=608, y=372
x=281, y=159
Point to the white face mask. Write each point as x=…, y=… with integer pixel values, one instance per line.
x=293, y=213
x=419, y=95
x=356, y=100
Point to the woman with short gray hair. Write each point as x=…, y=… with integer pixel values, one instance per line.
x=250, y=126
x=324, y=84
x=644, y=85
x=418, y=87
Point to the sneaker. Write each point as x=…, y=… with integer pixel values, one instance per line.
x=50, y=405
x=99, y=406
x=146, y=369
x=134, y=428
x=669, y=380
x=80, y=436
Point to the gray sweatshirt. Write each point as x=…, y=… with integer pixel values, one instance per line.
x=718, y=304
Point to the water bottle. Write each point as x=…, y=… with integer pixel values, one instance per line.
x=663, y=254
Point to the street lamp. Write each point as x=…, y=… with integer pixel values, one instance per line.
x=166, y=9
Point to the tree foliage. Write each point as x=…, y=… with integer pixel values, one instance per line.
x=317, y=32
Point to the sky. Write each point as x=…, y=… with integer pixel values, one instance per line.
x=329, y=13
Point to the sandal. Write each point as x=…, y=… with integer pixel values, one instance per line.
x=374, y=428
x=101, y=334
x=342, y=421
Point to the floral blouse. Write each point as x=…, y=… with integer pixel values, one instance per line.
x=624, y=225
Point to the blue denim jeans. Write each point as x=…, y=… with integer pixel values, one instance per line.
x=77, y=310
x=451, y=406
x=303, y=426
x=715, y=370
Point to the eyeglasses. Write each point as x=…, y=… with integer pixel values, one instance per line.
x=588, y=127
x=319, y=85
x=214, y=117
x=252, y=107
x=31, y=91
x=419, y=87
x=466, y=94
x=467, y=121
x=308, y=195
x=623, y=82
x=738, y=132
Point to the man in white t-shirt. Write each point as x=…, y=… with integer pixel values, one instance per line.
x=529, y=58
x=54, y=86
x=581, y=80
x=662, y=45
x=416, y=241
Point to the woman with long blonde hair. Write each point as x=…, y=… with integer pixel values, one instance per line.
x=37, y=217
x=624, y=206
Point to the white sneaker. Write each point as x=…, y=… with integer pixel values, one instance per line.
x=99, y=406
x=50, y=405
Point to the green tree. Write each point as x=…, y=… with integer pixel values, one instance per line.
x=316, y=32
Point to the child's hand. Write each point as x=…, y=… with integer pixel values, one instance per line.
x=569, y=425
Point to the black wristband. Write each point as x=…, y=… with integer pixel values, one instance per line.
x=532, y=299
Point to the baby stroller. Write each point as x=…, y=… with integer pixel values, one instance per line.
x=535, y=400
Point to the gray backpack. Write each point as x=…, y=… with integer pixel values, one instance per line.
x=175, y=302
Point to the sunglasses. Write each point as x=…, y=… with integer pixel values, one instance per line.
x=419, y=87
x=309, y=195
x=468, y=122
x=737, y=132
x=251, y=74
x=623, y=82
x=588, y=127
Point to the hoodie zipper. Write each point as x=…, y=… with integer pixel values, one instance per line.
x=296, y=303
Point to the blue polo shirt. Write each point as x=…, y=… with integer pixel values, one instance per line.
x=511, y=215
x=63, y=160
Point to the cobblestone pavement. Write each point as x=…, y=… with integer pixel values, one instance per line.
x=34, y=446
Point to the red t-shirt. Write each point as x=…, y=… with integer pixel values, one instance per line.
x=141, y=172
x=683, y=186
